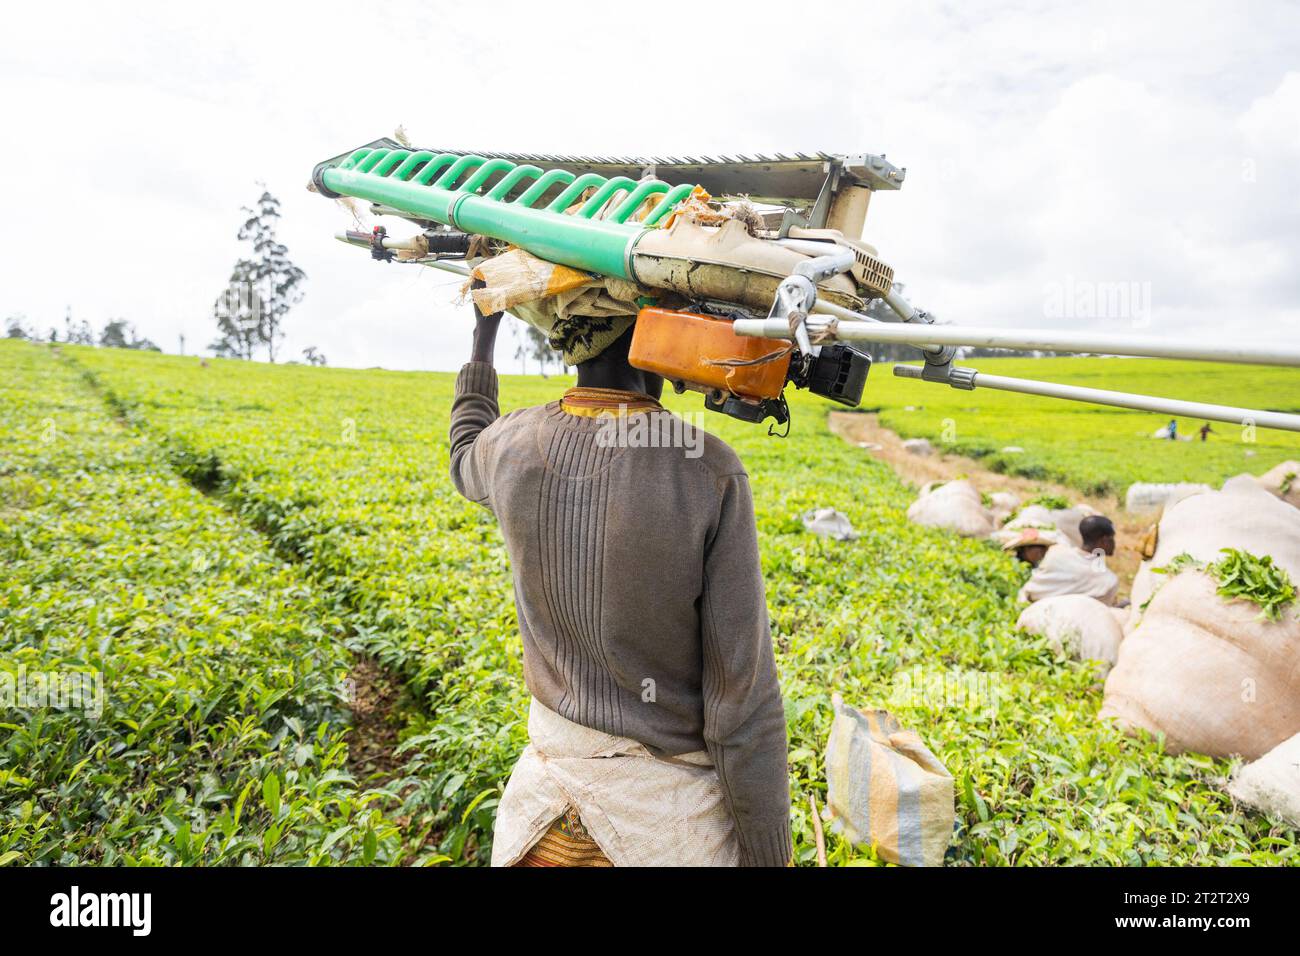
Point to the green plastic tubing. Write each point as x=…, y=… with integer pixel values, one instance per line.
x=401, y=178
x=355, y=158
x=670, y=201
x=616, y=185
x=632, y=203
x=390, y=162
x=486, y=172
x=405, y=170
x=537, y=189
x=372, y=160
x=465, y=163
x=511, y=180
x=433, y=167
x=575, y=189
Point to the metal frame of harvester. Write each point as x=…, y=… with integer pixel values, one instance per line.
x=807, y=268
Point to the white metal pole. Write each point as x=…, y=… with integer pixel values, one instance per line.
x=1146, y=403
x=446, y=265
x=930, y=337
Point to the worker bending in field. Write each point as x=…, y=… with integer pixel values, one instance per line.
x=1066, y=569
x=656, y=729
x=1030, y=545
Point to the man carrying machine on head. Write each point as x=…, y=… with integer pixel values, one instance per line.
x=656, y=728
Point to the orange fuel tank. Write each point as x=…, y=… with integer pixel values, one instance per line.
x=703, y=351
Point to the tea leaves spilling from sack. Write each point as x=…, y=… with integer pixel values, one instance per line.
x=1256, y=579
x=1240, y=574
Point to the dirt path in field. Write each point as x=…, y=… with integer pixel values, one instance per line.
x=864, y=430
x=375, y=699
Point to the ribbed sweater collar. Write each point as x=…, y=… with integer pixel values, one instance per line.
x=589, y=402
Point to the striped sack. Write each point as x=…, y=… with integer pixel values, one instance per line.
x=885, y=788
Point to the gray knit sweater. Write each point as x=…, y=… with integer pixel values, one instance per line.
x=638, y=589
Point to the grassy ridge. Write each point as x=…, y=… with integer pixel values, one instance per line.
x=347, y=470
x=1107, y=449
x=218, y=737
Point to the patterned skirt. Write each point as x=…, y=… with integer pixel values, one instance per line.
x=566, y=843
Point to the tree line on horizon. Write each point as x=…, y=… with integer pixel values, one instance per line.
x=116, y=333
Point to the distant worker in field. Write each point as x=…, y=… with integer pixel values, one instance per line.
x=656, y=728
x=1067, y=569
x=1172, y=428
x=1205, y=431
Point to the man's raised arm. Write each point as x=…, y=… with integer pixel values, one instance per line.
x=474, y=409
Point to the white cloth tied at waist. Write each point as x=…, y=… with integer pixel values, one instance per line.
x=641, y=809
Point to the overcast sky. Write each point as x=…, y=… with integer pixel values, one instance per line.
x=1048, y=148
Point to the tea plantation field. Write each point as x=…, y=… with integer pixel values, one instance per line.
x=1096, y=449
x=217, y=734
x=219, y=542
